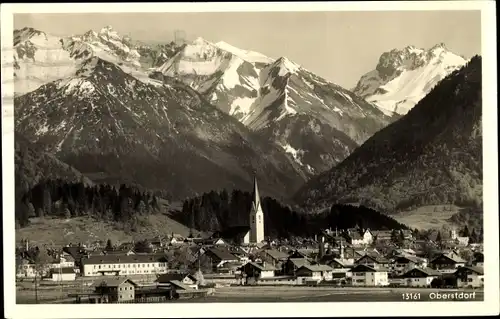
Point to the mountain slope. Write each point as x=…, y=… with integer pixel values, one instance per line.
x=317, y=122
x=227, y=78
x=404, y=77
x=433, y=155
x=33, y=165
x=107, y=123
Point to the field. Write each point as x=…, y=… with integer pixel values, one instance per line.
x=52, y=293
x=56, y=231
x=427, y=217
x=318, y=294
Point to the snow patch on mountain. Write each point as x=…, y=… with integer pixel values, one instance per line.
x=241, y=105
x=286, y=66
x=38, y=59
x=249, y=56
x=296, y=154
x=403, y=77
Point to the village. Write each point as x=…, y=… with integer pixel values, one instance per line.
x=163, y=269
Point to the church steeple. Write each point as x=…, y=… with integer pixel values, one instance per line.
x=256, y=216
x=256, y=195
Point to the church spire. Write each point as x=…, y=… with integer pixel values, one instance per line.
x=256, y=195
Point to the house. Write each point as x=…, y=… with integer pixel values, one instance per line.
x=217, y=257
x=124, y=264
x=296, y=254
x=65, y=261
x=478, y=259
x=241, y=254
x=355, y=238
x=116, y=290
x=254, y=271
x=382, y=235
x=402, y=264
x=293, y=264
x=447, y=263
x=420, y=277
x=26, y=269
x=341, y=266
x=470, y=276
x=363, y=275
x=184, y=278
x=274, y=257
x=63, y=274
x=176, y=239
x=462, y=241
x=316, y=273
x=373, y=261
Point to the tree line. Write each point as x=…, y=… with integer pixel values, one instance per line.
x=72, y=199
x=217, y=211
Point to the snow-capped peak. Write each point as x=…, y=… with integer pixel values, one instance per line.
x=201, y=41
x=249, y=56
x=403, y=77
x=286, y=66
x=109, y=32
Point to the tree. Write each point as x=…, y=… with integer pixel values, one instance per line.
x=142, y=246
x=41, y=262
x=480, y=236
x=439, y=239
x=109, y=245
x=465, y=231
x=473, y=237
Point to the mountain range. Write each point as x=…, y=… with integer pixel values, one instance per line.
x=403, y=77
x=432, y=155
x=317, y=122
x=111, y=126
x=200, y=116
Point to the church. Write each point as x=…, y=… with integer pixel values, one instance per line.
x=256, y=233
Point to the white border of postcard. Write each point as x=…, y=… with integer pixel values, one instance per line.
x=490, y=305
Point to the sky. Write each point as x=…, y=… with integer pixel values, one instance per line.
x=339, y=46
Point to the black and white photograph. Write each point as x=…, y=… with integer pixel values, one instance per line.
x=201, y=159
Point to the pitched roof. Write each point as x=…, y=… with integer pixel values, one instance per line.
x=63, y=270
x=317, y=267
x=124, y=259
x=365, y=268
x=222, y=254
x=166, y=278
x=276, y=254
x=377, y=259
x=262, y=267
x=180, y=285
x=299, y=262
x=108, y=282
x=453, y=257
x=477, y=270
x=410, y=258
x=426, y=271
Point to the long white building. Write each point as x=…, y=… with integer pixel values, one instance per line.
x=101, y=265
